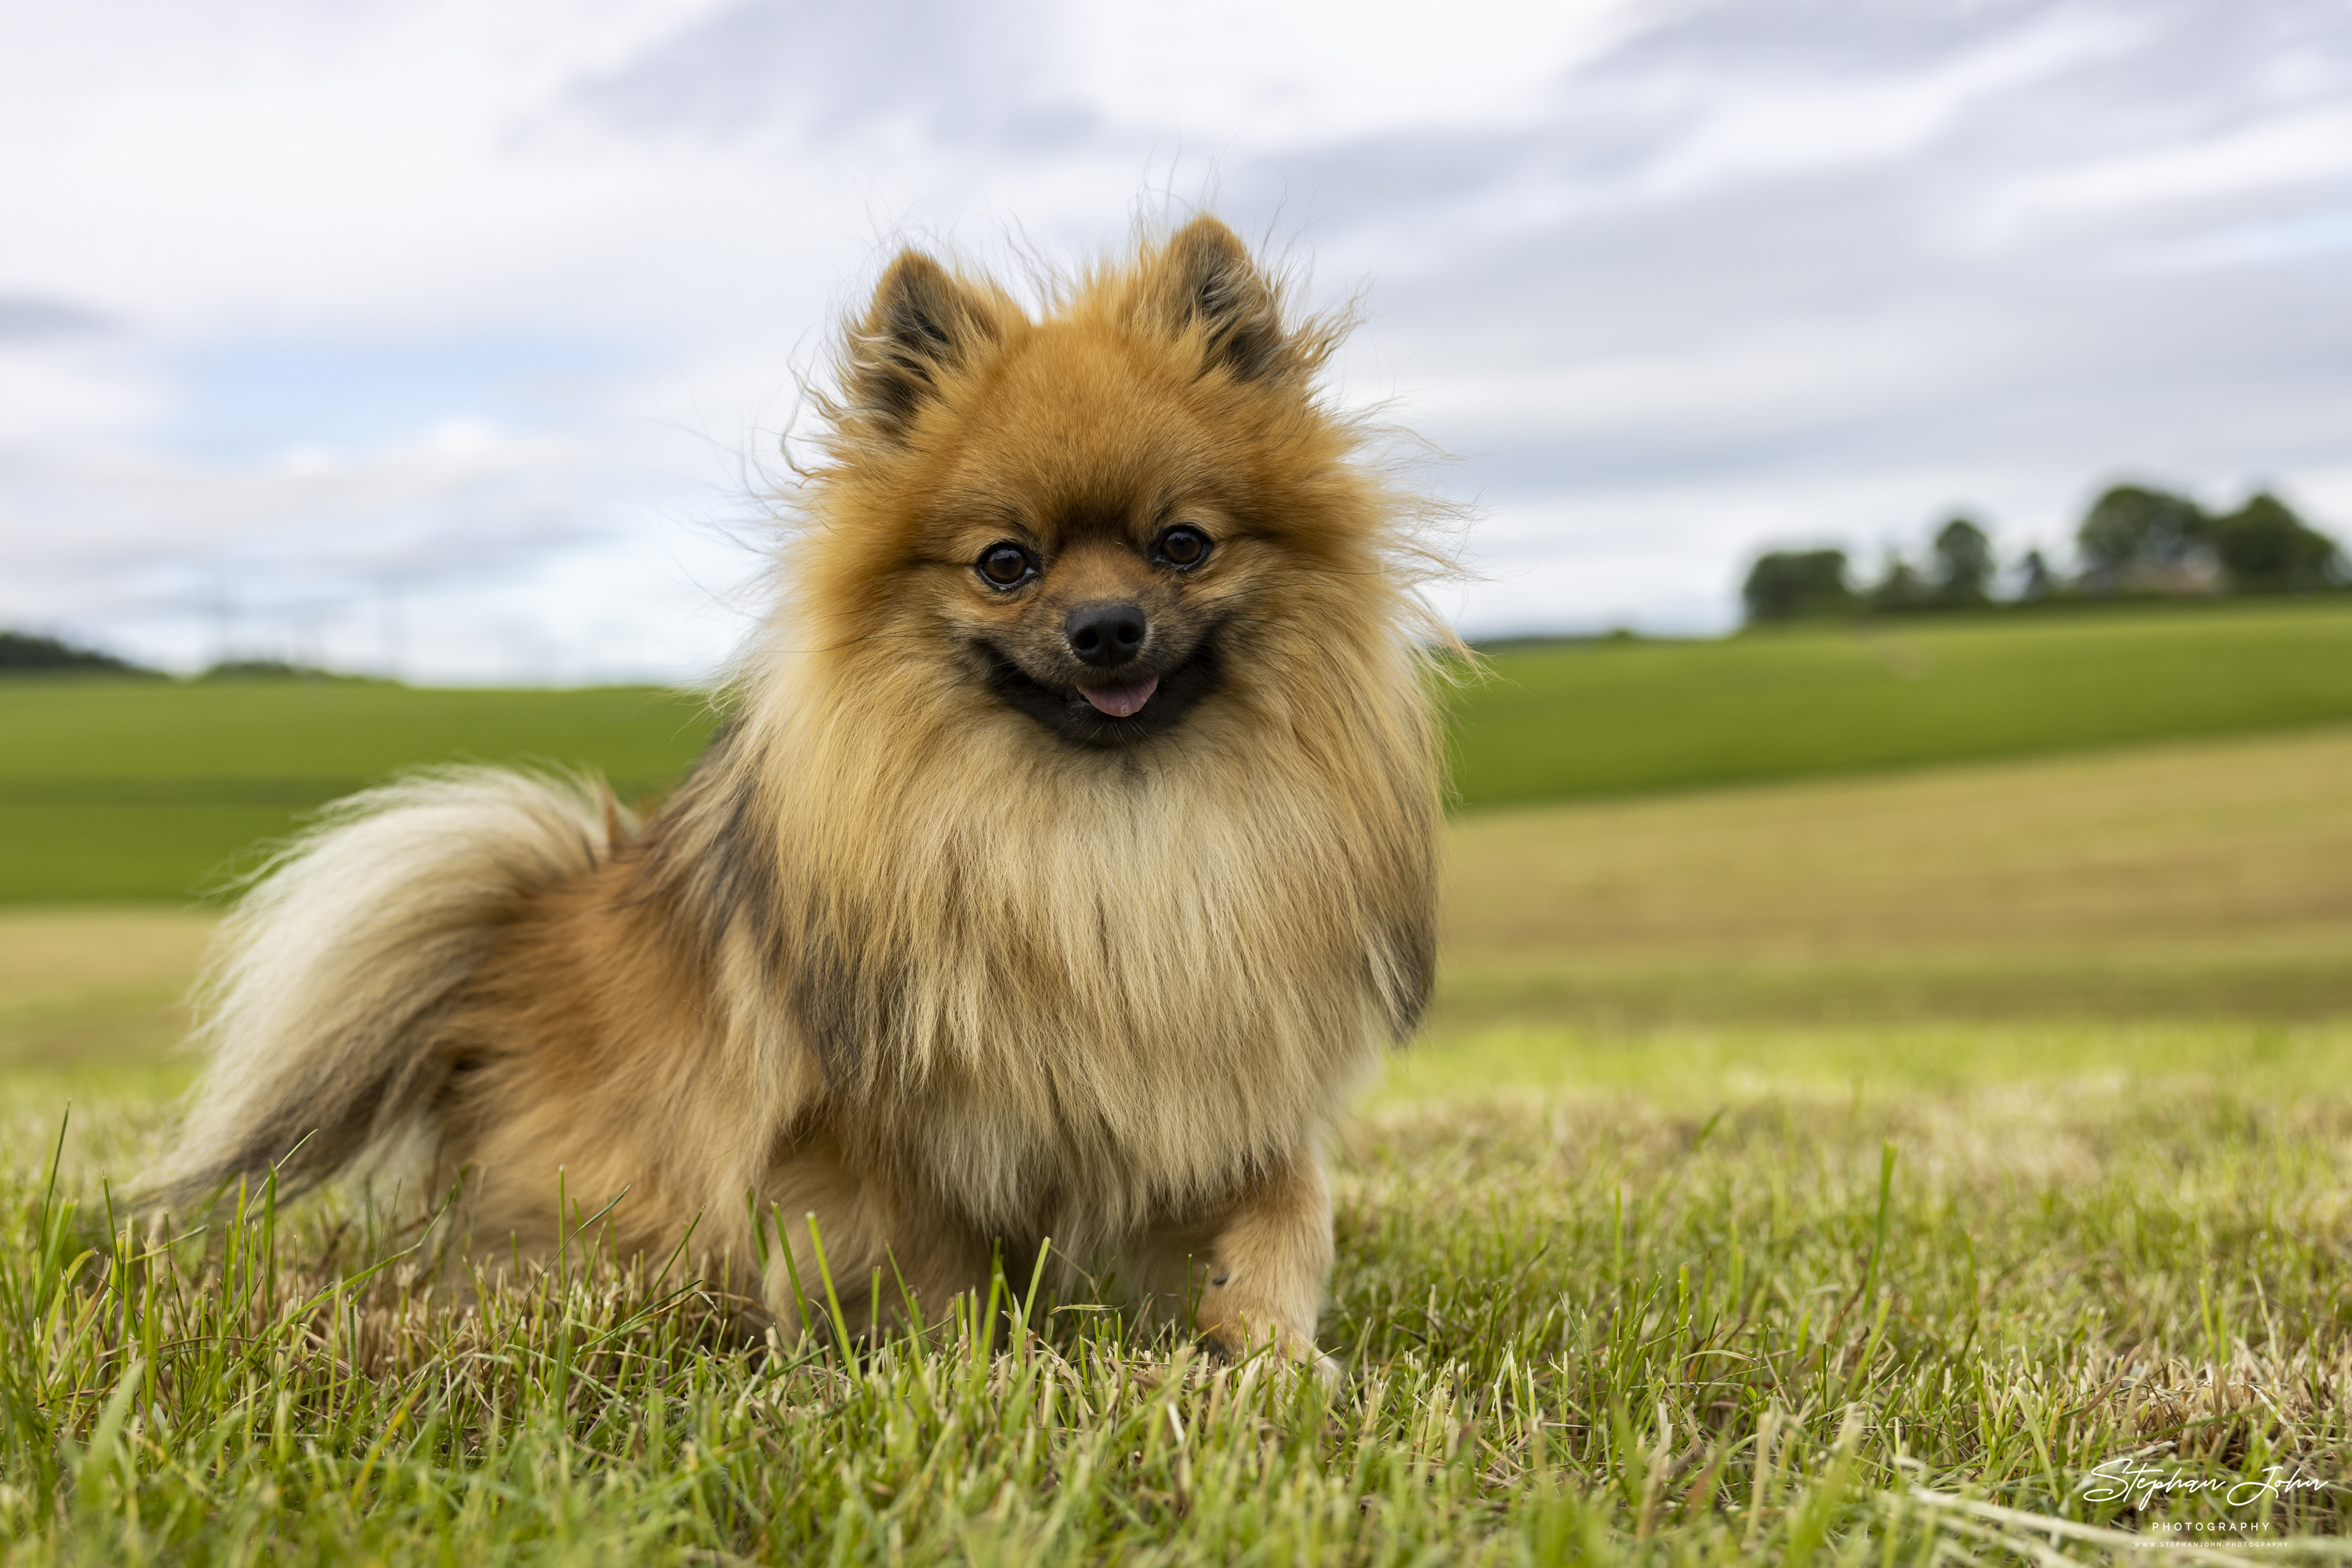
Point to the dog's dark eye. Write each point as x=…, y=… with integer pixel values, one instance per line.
x=1183, y=548
x=1006, y=564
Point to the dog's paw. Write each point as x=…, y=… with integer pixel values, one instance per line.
x=1282, y=1357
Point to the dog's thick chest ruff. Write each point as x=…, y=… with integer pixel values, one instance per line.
x=1150, y=1034
x=1151, y=1126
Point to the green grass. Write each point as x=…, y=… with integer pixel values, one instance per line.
x=154, y=790
x=1613, y=718
x=1838, y=1170
x=1800, y=1296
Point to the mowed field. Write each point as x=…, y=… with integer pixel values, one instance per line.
x=2203, y=878
x=2206, y=879
x=1855, y=1153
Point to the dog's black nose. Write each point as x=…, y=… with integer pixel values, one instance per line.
x=1105, y=636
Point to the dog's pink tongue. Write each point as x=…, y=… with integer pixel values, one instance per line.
x=1122, y=702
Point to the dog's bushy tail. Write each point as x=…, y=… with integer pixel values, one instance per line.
x=321, y=1009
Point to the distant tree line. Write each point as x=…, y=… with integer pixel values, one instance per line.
x=26, y=653
x=2134, y=541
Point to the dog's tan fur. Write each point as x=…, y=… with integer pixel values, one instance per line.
x=897, y=955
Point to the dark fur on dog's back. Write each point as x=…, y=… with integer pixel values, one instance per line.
x=967, y=930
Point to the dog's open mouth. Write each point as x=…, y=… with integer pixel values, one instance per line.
x=1122, y=702
x=1111, y=713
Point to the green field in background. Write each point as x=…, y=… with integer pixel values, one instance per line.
x=284, y=741
x=148, y=791
x=141, y=790
x=1613, y=718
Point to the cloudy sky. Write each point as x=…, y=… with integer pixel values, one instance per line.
x=457, y=340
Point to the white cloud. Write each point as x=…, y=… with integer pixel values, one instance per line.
x=1300, y=76
x=2301, y=147
x=1772, y=119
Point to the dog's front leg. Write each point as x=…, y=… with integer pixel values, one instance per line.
x=1266, y=1261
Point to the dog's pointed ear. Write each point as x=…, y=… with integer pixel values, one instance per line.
x=1205, y=279
x=922, y=325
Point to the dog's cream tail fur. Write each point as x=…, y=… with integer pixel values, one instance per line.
x=320, y=1010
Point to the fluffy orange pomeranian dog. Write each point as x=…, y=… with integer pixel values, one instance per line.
x=1067, y=858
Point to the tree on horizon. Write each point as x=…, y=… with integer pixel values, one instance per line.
x=1964, y=564
x=30, y=651
x=2267, y=549
x=1784, y=585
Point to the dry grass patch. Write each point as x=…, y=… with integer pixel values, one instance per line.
x=2212, y=879
x=80, y=987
